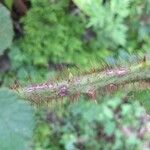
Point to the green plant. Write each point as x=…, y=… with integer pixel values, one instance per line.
x=6, y=29
x=58, y=33
x=51, y=34
x=108, y=124
x=16, y=122
x=139, y=23
x=55, y=34
x=143, y=98
x=94, y=119
x=118, y=23
x=64, y=33
x=107, y=19
x=8, y=3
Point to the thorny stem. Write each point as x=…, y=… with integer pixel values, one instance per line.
x=131, y=78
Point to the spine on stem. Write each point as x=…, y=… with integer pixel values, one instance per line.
x=129, y=78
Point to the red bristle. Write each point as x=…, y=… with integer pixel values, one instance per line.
x=75, y=96
x=91, y=94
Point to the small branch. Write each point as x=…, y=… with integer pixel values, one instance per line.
x=121, y=78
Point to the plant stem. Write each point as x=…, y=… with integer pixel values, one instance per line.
x=124, y=78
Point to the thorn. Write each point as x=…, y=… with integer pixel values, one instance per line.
x=70, y=76
x=144, y=59
x=91, y=94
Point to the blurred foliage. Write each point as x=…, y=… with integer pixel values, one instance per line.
x=6, y=29
x=139, y=26
x=51, y=34
x=83, y=33
x=8, y=3
x=107, y=19
x=119, y=23
x=59, y=33
x=16, y=122
x=143, y=97
x=87, y=125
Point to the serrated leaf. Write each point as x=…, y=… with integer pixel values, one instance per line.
x=6, y=29
x=83, y=4
x=16, y=122
x=106, y=31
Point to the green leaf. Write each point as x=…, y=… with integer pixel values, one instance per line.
x=6, y=29
x=16, y=122
x=114, y=12
x=144, y=98
x=109, y=127
x=8, y=3
x=68, y=140
x=83, y=4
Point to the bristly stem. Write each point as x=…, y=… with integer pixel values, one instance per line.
x=126, y=78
